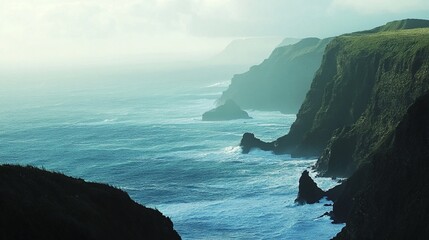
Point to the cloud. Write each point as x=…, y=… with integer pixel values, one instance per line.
x=108, y=18
x=77, y=30
x=255, y=18
x=381, y=6
x=49, y=30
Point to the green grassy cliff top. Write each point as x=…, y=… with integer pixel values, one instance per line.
x=402, y=24
x=387, y=41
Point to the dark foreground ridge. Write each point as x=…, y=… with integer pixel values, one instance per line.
x=36, y=204
x=388, y=198
x=228, y=111
x=362, y=90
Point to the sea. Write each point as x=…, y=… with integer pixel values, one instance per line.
x=147, y=138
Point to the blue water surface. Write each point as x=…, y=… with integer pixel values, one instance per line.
x=154, y=145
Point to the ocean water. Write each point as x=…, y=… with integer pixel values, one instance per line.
x=150, y=141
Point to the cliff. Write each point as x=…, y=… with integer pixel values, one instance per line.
x=387, y=198
x=37, y=204
x=366, y=115
x=379, y=76
x=247, y=51
x=362, y=90
x=280, y=82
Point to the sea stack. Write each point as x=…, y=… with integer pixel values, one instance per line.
x=228, y=111
x=308, y=192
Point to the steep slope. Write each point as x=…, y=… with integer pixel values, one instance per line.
x=358, y=96
x=36, y=204
x=380, y=76
x=388, y=198
x=280, y=82
x=248, y=51
x=288, y=41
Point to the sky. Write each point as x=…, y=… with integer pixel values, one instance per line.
x=52, y=32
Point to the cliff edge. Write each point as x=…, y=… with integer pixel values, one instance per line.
x=362, y=90
x=37, y=204
x=280, y=82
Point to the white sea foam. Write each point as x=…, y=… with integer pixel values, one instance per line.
x=232, y=149
x=109, y=120
x=166, y=157
x=219, y=84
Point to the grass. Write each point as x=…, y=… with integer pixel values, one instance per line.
x=404, y=41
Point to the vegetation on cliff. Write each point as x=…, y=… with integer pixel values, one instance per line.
x=400, y=25
x=387, y=198
x=368, y=108
x=280, y=82
x=362, y=90
x=379, y=76
x=36, y=204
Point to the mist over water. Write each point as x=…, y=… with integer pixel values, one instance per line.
x=114, y=91
x=146, y=137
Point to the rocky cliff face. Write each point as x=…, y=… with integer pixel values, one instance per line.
x=366, y=115
x=380, y=76
x=281, y=81
x=360, y=93
x=36, y=204
x=387, y=198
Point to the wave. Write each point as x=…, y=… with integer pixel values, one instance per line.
x=232, y=150
x=219, y=84
x=160, y=152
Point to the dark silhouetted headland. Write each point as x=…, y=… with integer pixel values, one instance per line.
x=36, y=204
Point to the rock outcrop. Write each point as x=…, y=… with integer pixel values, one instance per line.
x=36, y=204
x=249, y=139
x=362, y=90
x=280, y=82
x=308, y=191
x=228, y=111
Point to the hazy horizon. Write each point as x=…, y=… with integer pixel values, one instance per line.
x=189, y=108
x=89, y=33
